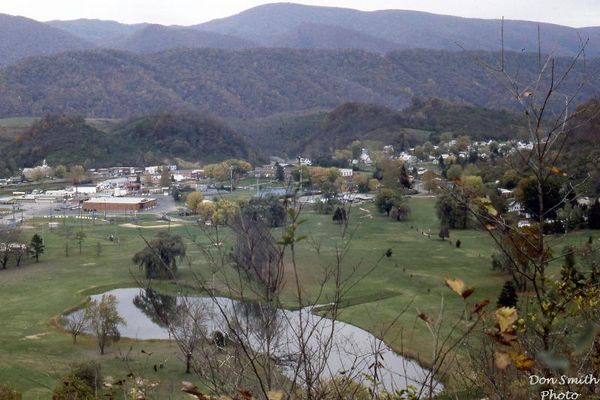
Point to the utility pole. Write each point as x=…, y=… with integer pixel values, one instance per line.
x=231, y=179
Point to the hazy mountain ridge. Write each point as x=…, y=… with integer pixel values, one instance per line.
x=99, y=32
x=320, y=36
x=22, y=37
x=407, y=29
x=261, y=82
x=153, y=38
x=297, y=26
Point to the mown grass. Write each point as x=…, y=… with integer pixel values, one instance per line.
x=35, y=352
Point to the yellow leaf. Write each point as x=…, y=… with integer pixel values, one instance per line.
x=506, y=317
x=501, y=360
x=523, y=362
x=273, y=395
x=458, y=286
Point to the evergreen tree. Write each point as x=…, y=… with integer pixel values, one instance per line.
x=594, y=215
x=176, y=193
x=508, y=297
x=441, y=163
x=279, y=173
x=404, y=178
x=340, y=216
x=37, y=246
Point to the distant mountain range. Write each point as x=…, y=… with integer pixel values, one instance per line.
x=22, y=37
x=153, y=38
x=263, y=82
x=295, y=26
x=267, y=24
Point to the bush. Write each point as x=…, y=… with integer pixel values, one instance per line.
x=7, y=393
x=89, y=372
x=73, y=388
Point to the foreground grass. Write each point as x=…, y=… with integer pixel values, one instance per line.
x=36, y=353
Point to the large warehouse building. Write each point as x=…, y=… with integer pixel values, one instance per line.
x=122, y=204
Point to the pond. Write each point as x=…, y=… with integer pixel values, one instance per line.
x=343, y=349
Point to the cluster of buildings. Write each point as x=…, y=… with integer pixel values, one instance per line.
x=269, y=171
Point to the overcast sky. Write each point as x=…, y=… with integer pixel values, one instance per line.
x=575, y=13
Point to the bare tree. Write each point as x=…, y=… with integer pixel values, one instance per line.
x=76, y=323
x=188, y=329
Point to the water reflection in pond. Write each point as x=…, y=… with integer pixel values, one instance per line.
x=351, y=351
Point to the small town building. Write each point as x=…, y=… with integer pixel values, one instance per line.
x=84, y=189
x=346, y=172
x=505, y=193
x=119, y=204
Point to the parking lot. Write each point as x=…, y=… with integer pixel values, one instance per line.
x=28, y=210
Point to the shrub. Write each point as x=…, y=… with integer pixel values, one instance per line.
x=7, y=393
x=73, y=388
x=89, y=372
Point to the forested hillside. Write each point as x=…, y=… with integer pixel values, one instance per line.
x=581, y=157
x=263, y=82
x=64, y=139
x=318, y=133
x=199, y=137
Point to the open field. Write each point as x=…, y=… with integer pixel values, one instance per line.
x=35, y=353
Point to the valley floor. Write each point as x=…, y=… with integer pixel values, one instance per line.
x=36, y=353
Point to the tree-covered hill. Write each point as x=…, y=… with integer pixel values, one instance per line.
x=198, y=137
x=317, y=133
x=261, y=82
x=64, y=139
x=581, y=155
x=192, y=137
x=60, y=140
